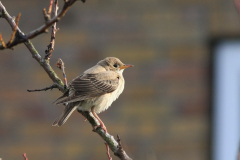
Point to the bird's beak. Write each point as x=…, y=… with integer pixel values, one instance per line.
x=126, y=66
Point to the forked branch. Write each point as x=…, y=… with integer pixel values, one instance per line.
x=45, y=64
x=36, y=32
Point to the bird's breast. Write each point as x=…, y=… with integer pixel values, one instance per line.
x=105, y=101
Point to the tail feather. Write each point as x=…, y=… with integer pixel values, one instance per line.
x=62, y=96
x=64, y=100
x=65, y=114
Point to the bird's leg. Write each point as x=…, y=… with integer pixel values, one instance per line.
x=100, y=121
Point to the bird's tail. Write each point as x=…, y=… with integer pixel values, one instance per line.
x=66, y=94
x=65, y=114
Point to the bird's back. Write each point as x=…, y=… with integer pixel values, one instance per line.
x=95, y=69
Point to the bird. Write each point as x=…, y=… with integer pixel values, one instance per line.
x=94, y=90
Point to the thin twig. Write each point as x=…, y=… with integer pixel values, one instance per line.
x=50, y=7
x=15, y=30
x=60, y=65
x=119, y=142
x=50, y=49
x=120, y=152
x=44, y=89
x=108, y=154
x=46, y=15
x=2, y=41
x=25, y=156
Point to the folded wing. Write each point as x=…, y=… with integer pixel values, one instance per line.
x=91, y=85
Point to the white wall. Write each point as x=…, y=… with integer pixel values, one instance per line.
x=226, y=109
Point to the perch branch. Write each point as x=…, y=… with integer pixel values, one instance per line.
x=114, y=145
x=120, y=152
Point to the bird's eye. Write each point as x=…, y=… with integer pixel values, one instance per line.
x=115, y=65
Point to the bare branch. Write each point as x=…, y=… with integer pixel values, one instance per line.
x=120, y=152
x=44, y=89
x=114, y=145
x=46, y=66
x=40, y=30
x=50, y=49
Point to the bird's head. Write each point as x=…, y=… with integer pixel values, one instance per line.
x=114, y=64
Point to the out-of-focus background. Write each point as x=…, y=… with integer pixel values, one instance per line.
x=164, y=111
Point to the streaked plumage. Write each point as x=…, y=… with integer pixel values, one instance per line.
x=94, y=90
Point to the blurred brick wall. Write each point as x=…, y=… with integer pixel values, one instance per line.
x=162, y=113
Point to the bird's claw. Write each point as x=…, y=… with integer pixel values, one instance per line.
x=100, y=126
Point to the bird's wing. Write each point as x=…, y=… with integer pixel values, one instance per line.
x=92, y=85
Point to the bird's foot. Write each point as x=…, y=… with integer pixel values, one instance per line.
x=100, y=126
x=99, y=120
